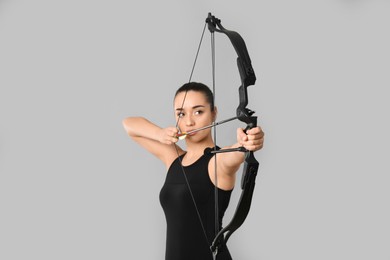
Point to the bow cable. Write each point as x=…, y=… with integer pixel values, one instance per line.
x=216, y=207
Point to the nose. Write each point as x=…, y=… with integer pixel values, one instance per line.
x=189, y=120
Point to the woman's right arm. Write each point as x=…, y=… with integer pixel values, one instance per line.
x=153, y=138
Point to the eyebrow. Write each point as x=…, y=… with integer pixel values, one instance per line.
x=194, y=107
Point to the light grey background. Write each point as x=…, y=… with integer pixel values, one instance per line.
x=73, y=186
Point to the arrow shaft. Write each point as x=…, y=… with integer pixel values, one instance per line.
x=206, y=127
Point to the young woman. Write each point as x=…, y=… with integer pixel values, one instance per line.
x=188, y=194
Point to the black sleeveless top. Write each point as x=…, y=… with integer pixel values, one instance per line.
x=185, y=237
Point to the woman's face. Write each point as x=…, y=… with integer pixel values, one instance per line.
x=195, y=113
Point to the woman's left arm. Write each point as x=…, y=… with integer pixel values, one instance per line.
x=252, y=140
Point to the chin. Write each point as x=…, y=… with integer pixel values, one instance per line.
x=197, y=138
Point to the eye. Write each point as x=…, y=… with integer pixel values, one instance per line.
x=180, y=114
x=198, y=112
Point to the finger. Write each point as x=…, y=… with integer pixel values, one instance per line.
x=241, y=134
x=171, y=141
x=173, y=132
x=253, y=144
x=256, y=136
x=255, y=130
x=173, y=138
x=240, y=131
x=253, y=148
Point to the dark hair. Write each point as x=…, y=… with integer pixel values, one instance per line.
x=199, y=87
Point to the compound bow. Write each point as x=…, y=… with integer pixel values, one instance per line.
x=245, y=115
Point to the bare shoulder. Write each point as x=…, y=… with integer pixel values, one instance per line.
x=166, y=153
x=169, y=158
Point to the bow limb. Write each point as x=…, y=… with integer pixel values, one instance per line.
x=243, y=60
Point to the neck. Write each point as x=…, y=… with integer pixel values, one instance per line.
x=195, y=149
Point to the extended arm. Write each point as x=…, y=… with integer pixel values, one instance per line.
x=228, y=163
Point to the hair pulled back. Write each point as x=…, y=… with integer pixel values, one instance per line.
x=198, y=87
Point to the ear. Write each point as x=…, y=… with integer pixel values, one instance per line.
x=215, y=112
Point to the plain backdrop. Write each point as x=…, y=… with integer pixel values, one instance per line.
x=74, y=186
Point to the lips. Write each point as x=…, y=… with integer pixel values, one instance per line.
x=189, y=132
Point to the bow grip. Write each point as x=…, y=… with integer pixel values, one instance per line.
x=251, y=167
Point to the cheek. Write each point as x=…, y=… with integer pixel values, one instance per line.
x=180, y=123
x=209, y=119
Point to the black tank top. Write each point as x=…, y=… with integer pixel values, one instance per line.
x=185, y=237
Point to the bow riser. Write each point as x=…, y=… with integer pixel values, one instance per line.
x=251, y=166
x=243, y=113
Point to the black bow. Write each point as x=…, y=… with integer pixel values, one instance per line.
x=245, y=115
